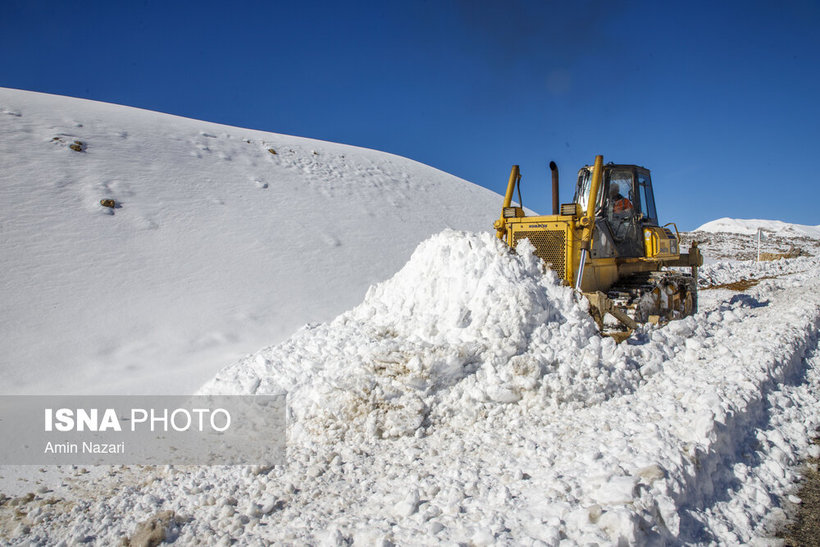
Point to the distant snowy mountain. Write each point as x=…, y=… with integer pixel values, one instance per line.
x=751, y=226
x=736, y=239
x=222, y=240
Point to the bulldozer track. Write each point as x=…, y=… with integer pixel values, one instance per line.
x=657, y=296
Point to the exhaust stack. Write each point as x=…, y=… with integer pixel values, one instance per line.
x=554, y=169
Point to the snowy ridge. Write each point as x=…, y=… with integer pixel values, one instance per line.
x=751, y=226
x=224, y=240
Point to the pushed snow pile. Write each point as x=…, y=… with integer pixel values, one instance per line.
x=751, y=226
x=464, y=323
x=462, y=288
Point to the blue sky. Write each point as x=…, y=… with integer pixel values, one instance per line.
x=718, y=99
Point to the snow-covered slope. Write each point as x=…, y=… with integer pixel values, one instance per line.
x=751, y=226
x=223, y=240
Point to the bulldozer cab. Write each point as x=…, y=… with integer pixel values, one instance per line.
x=624, y=206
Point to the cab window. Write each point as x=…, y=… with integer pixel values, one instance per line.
x=647, y=199
x=621, y=196
x=583, y=188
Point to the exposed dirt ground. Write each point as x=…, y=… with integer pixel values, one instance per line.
x=804, y=528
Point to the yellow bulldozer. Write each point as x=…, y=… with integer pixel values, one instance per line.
x=610, y=246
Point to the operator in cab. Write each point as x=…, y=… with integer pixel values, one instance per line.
x=620, y=204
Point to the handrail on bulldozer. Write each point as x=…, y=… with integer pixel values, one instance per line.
x=675, y=226
x=501, y=224
x=588, y=220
